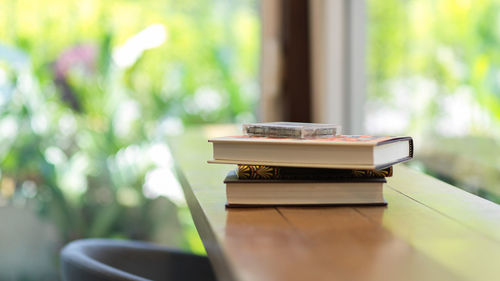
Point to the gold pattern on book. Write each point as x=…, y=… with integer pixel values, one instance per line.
x=257, y=172
x=270, y=172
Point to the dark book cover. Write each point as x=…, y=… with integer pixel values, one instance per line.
x=228, y=205
x=232, y=176
x=262, y=172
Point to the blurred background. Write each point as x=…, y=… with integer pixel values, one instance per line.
x=90, y=91
x=433, y=71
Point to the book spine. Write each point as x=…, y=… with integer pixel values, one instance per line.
x=262, y=172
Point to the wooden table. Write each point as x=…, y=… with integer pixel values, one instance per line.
x=429, y=231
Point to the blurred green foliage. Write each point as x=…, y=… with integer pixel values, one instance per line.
x=89, y=92
x=436, y=64
x=434, y=73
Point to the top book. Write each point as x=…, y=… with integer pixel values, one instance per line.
x=338, y=152
x=291, y=130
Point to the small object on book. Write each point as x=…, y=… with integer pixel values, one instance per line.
x=261, y=172
x=338, y=152
x=291, y=130
x=255, y=193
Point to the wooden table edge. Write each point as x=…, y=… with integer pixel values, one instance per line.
x=214, y=252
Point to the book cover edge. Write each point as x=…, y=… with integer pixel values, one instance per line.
x=374, y=204
x=293, y=141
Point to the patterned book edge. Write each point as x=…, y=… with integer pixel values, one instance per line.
x=262, y=172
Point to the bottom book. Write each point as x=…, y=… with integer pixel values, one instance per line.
x=254, y=193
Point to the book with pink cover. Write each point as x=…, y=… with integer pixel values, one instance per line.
x=340, y=152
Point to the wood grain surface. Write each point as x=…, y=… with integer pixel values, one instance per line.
x=429, y=230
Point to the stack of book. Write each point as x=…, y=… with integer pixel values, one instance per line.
x=294, y=166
